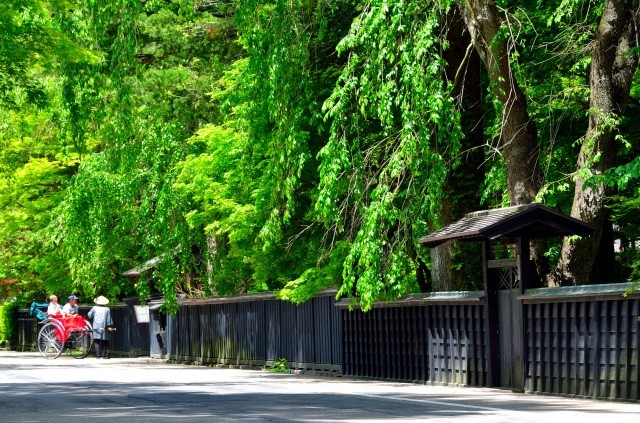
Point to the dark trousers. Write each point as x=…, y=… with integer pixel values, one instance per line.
x=101, y=346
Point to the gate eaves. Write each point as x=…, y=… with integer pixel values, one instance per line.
x=526, y=221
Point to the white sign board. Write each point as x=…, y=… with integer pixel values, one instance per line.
x=142, y=313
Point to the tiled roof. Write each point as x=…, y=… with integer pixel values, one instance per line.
x=532, y=220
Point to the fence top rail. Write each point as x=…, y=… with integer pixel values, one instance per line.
x=580, y=293
x=451, y=297
x=81, y=307
x=243, y=298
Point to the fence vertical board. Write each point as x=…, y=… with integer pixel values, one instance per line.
x=625, y=350
x=635, y=345
x=387, y=318
x=367, y=344
x=405, y=366
x=204, y=316
x=546, y=348
x=529, y=337
x=471, y=350
x=566, y=355
x=450, y=337
x=416, y=341
x=611, y=349
x=346, y=342
x=354, y=344
x=554, y=361
x=361, y=343
x=379, y=339
x=576, y=352
x=483, y=351
x=438, y=329
x=537, y=345
x=364, y=344
x=461, y=373
x=581, y=348
x=393, y=314
x=408, y=362
x=446, y=344
x=596, y=348
x=614, y=355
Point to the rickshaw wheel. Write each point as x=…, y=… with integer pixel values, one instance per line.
x=49, y=342
x=79, y=342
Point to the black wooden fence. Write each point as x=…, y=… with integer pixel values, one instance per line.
x=579, y=341
x=437, y=338
x=583, y=342
x=258, y=330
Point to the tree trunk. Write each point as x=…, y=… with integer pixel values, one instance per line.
x=518, y=138
x=612, y=67
x=212, y=249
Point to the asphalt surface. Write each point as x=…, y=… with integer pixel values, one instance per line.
x=33, y=389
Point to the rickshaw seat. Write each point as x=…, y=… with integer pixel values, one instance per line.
x=39, y=310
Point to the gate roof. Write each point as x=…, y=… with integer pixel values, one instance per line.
x=530, y=220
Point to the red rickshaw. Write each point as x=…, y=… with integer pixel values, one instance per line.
x=59, y=333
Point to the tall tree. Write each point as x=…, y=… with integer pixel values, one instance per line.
x=37, y=158
x=614, y=60
x=137, y=109
x=290, y=70
x=518, y=132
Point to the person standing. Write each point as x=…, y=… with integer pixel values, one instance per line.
x=102, y=323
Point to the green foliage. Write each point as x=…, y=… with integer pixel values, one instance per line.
x=325, y=275
x=289, y=71
x=278, y=145
x=8, y=323
x=281, y=365
x=146, y=99
x=395, y=133
x=221, y=206
x=30, y=40
x=35, y=168
x=285, y=80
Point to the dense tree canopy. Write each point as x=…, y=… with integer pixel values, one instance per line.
x=299, y=145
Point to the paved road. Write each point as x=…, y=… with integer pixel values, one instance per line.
x=33, y=389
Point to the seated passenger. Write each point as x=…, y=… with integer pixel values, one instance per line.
x=54, y=308
x=71, y=308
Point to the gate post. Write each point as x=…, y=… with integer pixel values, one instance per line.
x=524, y=275
x=491, y=319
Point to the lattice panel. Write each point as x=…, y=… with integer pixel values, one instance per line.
x=508, y=278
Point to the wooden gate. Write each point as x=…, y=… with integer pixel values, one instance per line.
x=510, y=326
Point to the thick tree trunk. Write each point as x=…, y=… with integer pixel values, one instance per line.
x=612, y=67
x=518, y=138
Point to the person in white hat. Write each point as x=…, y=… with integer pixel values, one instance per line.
x=102, y=324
